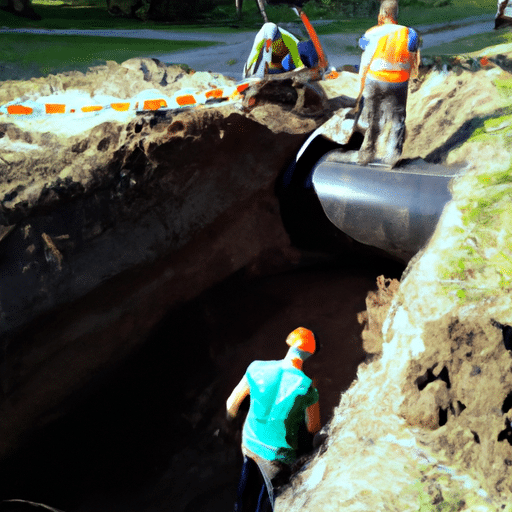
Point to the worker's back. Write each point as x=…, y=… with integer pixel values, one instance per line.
x=280, y=395
x=389, y=51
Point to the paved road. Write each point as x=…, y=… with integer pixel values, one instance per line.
x=228, y=56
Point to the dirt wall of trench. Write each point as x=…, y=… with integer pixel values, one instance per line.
x=107, y=228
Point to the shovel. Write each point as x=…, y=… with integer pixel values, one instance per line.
x=296, y=5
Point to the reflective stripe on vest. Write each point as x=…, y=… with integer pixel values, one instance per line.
x=392, y=60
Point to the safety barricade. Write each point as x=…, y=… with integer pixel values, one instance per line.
x=149, y=100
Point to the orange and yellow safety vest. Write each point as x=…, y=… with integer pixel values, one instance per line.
x=391, y=50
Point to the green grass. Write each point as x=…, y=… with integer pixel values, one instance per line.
x=414, y=14
x=76, y=17
x=480, y=261
x=457, y=10
x=92, y=14
x=40, y=55
x=470, y=43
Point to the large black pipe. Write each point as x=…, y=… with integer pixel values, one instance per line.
x=395, y=210
x=330, y=204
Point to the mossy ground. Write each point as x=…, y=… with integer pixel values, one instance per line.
x=483, y=250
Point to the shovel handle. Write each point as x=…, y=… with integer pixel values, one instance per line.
x=322, y=61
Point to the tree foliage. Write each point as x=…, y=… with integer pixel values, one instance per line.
x=190, y=10
x=352, y=8
x=179, y=10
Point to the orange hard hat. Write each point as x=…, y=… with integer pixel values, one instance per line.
x=303, y=339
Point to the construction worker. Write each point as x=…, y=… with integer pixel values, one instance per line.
x=282, y=401
x=390, y=58
x=276, y=50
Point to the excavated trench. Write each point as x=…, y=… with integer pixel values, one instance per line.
x=152, y=435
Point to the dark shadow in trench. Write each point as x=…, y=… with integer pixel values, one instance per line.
x=467, y=130
x=153, y=437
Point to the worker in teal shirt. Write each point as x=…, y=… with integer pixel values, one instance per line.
x=282, y=400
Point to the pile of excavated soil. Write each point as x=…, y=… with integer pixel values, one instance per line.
x=444, y=108
x=52, y=150
x=39, y=152
x=377, y=307
x=120, y=80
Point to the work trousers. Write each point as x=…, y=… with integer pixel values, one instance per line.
x=255, y=491
x=384, y=109
x=252, y=493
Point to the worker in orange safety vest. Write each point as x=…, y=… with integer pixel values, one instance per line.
x=390, y=58
x=282, y=401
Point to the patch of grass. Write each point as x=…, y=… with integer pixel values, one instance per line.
x=480, y=259
x=470, y=44
x=484, y=248
x=434, y=496
x=498, y=124
x=452, y=13
x=504, y=86
x=70, y=17
x=92, y=14
x=41, y=55
x=498, y=178
x=482, y=210
x=415, y=14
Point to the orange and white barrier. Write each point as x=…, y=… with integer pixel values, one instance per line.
x=79, y=103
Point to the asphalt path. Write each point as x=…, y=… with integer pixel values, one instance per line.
x=228, y=55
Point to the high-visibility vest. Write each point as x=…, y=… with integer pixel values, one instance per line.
x=258, y=57
x=291, y=42
x=392, y=61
